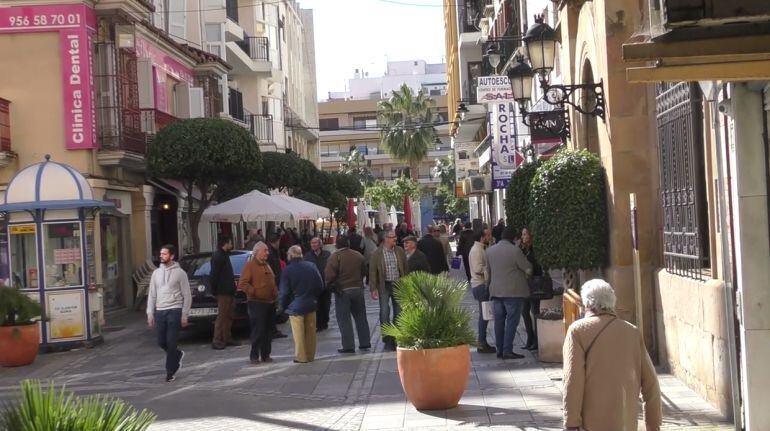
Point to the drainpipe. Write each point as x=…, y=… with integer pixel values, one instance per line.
x=728, y=250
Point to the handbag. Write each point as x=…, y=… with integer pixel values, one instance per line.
x=541, y=287
x=457, y=262
x=480, y=292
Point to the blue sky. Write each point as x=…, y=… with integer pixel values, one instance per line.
x=364, y=34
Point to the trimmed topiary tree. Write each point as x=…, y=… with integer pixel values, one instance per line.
x=517, y=200
x=207, y=154
x=568, y=212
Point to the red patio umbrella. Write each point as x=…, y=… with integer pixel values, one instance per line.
x=351, y=213
x=407, y=212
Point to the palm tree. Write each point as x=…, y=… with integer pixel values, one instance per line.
x=407, y=126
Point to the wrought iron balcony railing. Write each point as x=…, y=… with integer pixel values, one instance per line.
x=261, y=127
x=5, y=125
x=257, y=47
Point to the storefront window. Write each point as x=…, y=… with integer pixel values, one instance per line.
x=63, y=257
x=24, y=274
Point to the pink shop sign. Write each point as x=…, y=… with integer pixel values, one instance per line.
x=76, y=24
x=163, y=66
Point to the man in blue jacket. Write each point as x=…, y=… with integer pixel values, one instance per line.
x=301, y=284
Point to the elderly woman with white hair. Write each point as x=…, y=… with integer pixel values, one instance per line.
x=606, y=365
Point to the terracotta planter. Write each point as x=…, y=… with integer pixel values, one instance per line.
x=20, y=344
x=434, y=379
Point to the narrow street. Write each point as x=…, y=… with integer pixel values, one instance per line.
x=220, y=390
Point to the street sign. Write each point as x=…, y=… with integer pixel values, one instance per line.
x=493, y=89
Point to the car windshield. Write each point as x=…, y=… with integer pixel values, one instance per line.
x=198, y=266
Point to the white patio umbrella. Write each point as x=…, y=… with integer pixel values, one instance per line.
x=302, y=210
x=254, y=206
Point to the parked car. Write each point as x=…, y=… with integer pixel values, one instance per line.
x=204, y=303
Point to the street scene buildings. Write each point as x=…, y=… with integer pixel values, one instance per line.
x=625, y=141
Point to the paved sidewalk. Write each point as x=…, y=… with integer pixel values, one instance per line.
x=220, y=390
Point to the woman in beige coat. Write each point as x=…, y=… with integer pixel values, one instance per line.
x=606, y=365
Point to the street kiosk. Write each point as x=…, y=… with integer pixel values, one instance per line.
x=48, y=212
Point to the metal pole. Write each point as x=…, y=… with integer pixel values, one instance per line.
x=637, y=267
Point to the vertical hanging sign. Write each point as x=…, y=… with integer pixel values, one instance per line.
x=76, y=25
x=505, y=155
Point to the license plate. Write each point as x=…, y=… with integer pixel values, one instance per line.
x=203, y=311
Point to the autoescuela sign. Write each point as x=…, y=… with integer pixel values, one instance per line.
x=493, y=89
x=76, y=25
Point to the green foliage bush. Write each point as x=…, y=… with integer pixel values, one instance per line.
x=568, y=211
x=48, y=409
x=17, y=308
x=517, y=200
x=432, y=315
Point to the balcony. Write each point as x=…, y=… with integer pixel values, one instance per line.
x=123, y=144
x=261, y=126
x=252, y=54
x=6, y=155
x=153, y=120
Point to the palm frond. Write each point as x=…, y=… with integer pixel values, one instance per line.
x=432, y=315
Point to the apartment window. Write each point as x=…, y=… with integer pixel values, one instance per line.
x=215, y=39
x=683, y=182
x=329, y=123
x=364, y=122
x=5, y=125
x=435, y=92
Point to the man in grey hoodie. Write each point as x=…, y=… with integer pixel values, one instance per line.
x=168, y=304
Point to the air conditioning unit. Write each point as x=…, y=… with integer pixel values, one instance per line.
x=478, y=184
x=666, y=15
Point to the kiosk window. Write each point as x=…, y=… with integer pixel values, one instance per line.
x=24, y=273
x=63, y=255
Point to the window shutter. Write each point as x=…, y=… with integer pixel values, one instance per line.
x=146, y=83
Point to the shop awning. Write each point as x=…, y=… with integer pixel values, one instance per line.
x=678, y=58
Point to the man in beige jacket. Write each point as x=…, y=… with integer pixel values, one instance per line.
x=606, y=365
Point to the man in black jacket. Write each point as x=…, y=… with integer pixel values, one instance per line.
x=464, y=245
x=415, y=259
x=434, y=251
x=222, y=282
x=356, y=241
x=497, y=231
x=318, y=256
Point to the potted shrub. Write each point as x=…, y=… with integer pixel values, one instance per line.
x=434, y=334
x=39, y=408
x=19, y=331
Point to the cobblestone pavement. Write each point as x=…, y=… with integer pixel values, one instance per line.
x=220, y=390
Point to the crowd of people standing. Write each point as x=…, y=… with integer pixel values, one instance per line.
x=501, y=268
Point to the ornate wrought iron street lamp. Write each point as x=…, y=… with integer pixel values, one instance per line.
x=540, y=42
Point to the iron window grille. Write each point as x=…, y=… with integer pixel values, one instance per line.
x=682, y=168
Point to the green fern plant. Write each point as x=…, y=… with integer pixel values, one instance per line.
x=17, y=308
x=432, y=315
x=49, y=409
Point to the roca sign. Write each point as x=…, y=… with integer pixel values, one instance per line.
x=76, y=25
x=493, y=89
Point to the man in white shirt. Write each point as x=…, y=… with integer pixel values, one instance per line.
x=168, y=304
x=477, y=261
